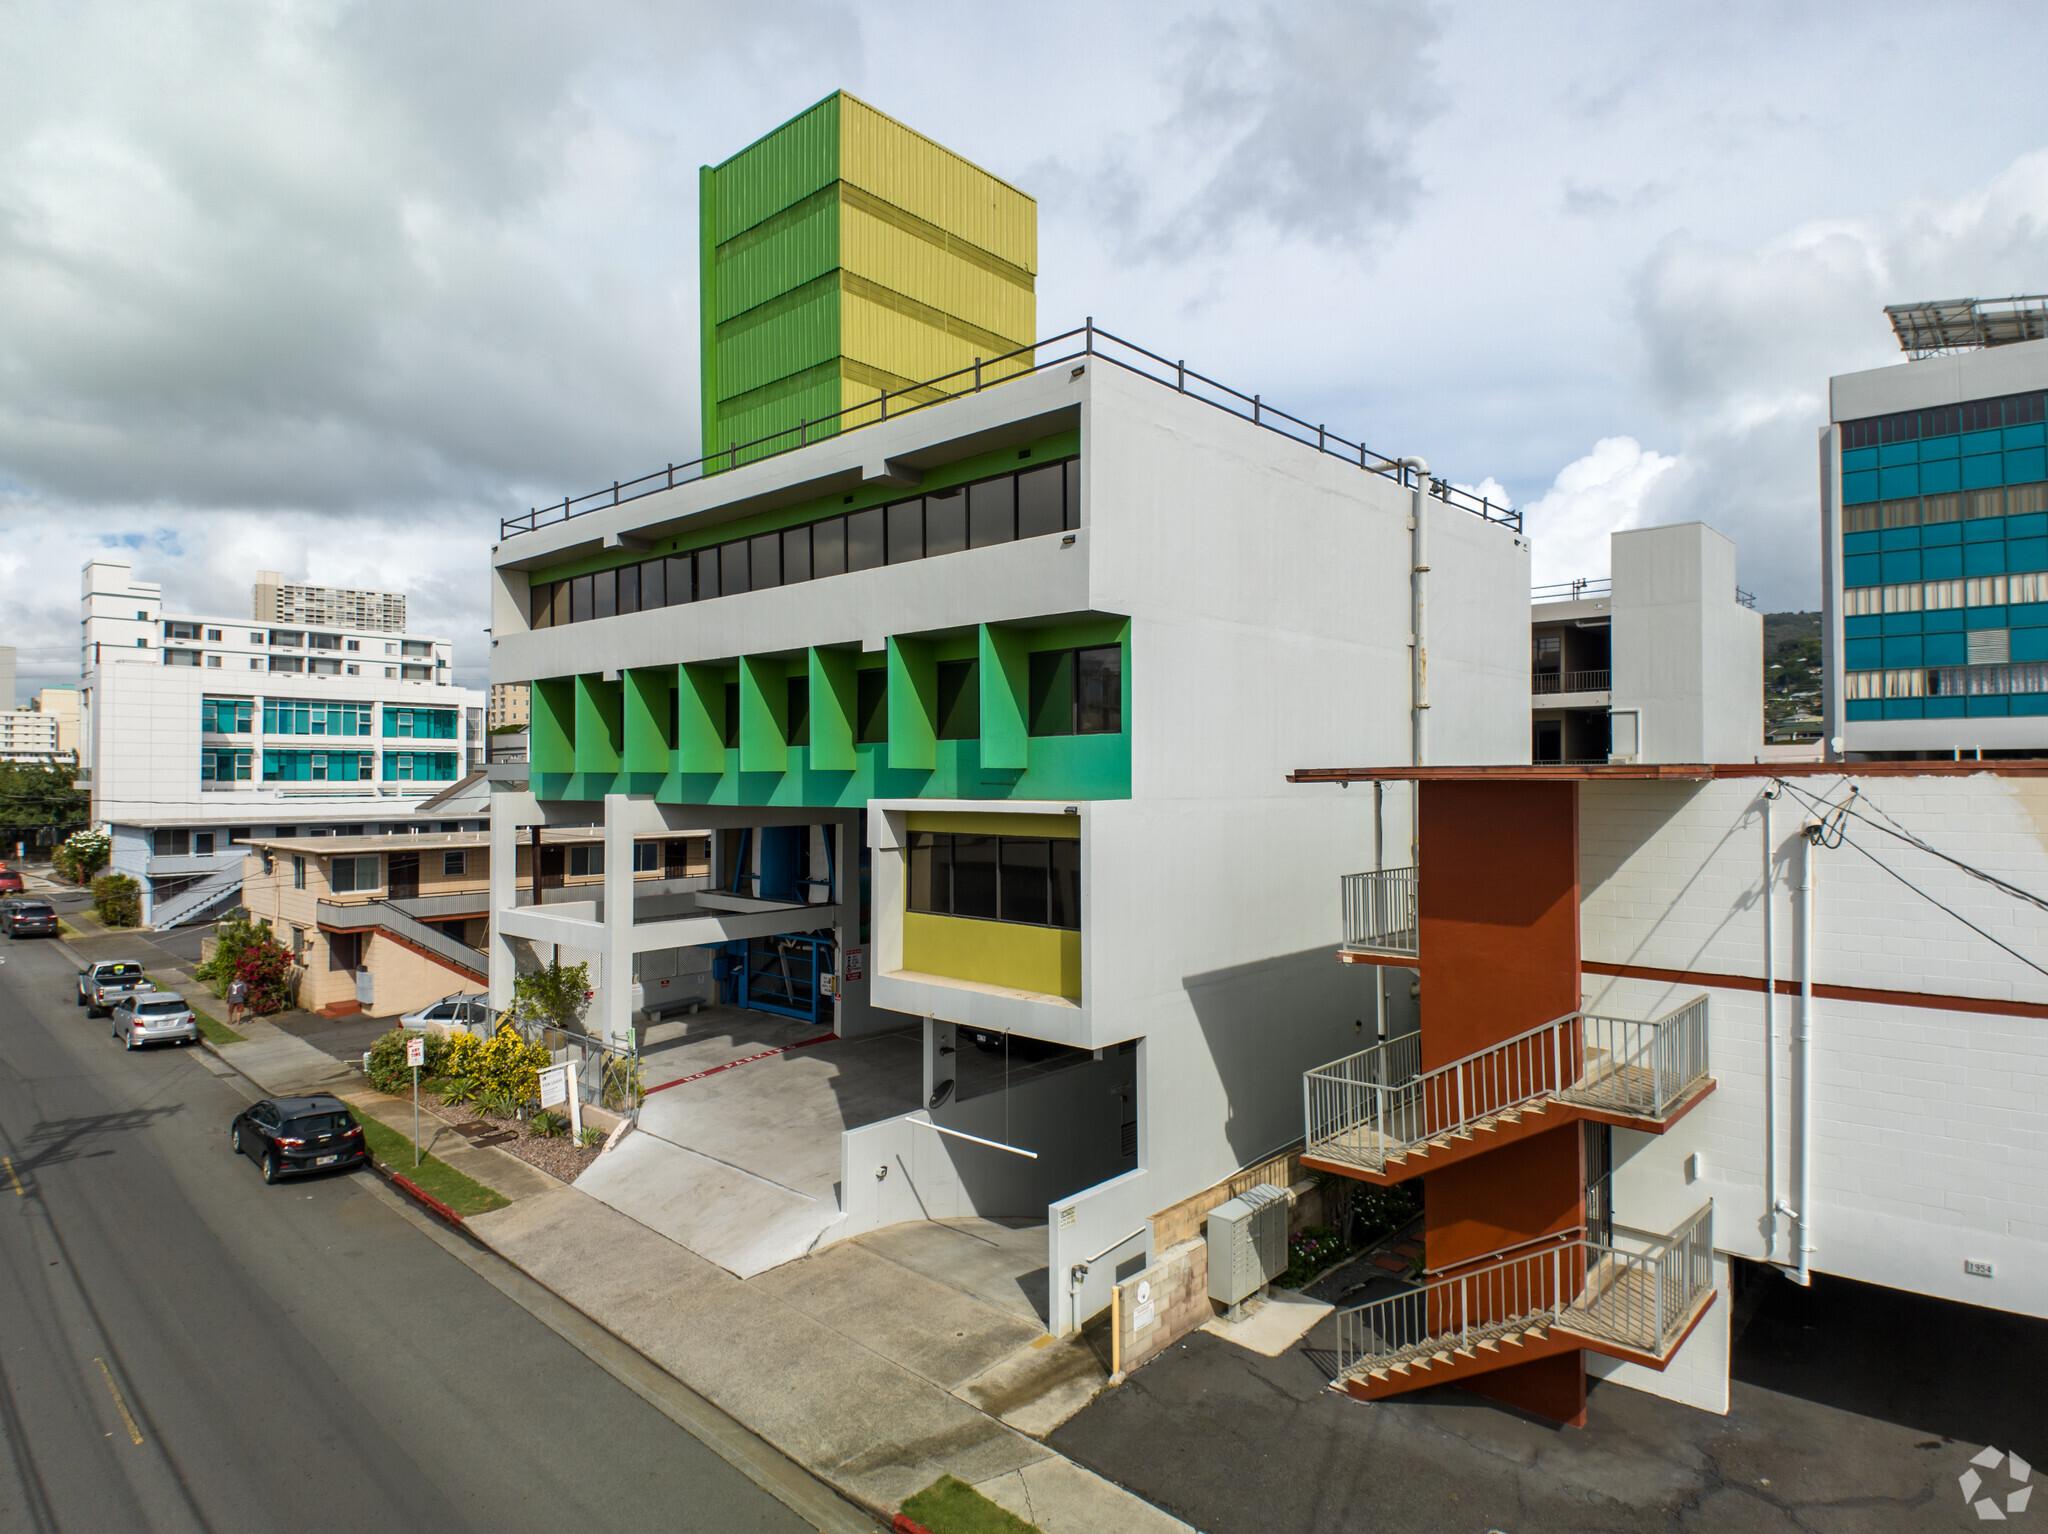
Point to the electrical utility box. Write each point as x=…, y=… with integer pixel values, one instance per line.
x=1247, y=1243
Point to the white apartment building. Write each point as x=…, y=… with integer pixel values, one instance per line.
x=1660, y=662
x=199, y=732
x=28, y=736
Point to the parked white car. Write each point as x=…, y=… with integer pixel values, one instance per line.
x=155, y=1017
x=462, y=1010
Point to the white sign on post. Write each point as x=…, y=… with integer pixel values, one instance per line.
x=554, y=1085
x=416, y=1051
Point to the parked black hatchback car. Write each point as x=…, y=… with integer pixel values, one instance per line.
x=299, y=1134
x=28, y=918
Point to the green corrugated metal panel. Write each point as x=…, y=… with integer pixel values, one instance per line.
x=797, y=331
x=810, y=396
x=786, y=166
x=707, y=308
x=752, y=272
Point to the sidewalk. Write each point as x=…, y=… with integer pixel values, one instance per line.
x=873, y=1376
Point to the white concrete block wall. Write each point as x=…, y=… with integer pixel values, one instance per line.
x=1929, y=1124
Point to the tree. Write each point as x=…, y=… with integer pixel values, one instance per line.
x=555, y=997
x=83, y=854
x=117, y=900
x=40, y=804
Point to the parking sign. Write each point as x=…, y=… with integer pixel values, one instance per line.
x=416, y=1051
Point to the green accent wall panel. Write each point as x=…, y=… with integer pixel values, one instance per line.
x=913, y=705
x=598, y=728
x=833, y=695
x=551, y=734
x=764, y=708
x=1005, y=673
x=648, y=745
x=700, y=720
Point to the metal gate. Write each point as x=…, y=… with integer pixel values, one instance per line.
x=784, y=974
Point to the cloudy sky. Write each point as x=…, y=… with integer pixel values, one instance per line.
x=328, y=287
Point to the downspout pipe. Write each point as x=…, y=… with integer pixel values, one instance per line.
x=1418, y=598
x=1802, y=1064
x=1771, y=795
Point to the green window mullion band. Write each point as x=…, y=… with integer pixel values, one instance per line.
x=646, y=719
x=552, y=725
x=598, y=728
x=834, y=694
x=1005, y=697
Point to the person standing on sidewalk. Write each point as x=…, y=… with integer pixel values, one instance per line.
x=238, y=994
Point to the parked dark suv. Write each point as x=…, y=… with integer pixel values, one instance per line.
x=28, y=918
x=299, y=1134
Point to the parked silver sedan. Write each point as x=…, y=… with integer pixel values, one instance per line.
x=155, y=1017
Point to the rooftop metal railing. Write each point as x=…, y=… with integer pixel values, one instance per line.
x=1379, y=911
x=1584, y=589
x=1067, y=348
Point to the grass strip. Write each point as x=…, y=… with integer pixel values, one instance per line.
x=462, y=1193
x=216, y=1032
x=948, y=1506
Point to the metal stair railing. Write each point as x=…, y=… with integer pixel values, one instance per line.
x=195, y=898
x=1366, y=1108
x=1379, y=911
x=1642, y=1068
x=1636, y=1299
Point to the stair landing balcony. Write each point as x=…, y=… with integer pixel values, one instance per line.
x=1636, y=1297
x=1380, y=920
x=1378, y=1116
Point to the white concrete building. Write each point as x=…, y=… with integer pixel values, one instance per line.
x=29, y=736
x=1934, y=539
x=198, y=732
x=997, y=700
x=1661, y=662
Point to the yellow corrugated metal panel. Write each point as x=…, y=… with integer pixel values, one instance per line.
x=900, y=260
x=885, y=338
x=929, y=181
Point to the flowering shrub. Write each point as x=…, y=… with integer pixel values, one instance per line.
x=265, y=967
x=82, y=854
x=1311, y=1249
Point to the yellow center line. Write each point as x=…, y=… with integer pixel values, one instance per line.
x=13, y=1177
x=120, y=1405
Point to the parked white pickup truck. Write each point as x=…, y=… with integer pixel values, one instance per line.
x=105, y=985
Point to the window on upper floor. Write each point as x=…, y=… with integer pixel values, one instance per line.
x=1025, y=504
x=1030, y=880
x=586, y=860
x=171, y=842
x=959, y=700
x=453, y=864
x=1077, y=692
x=353, y=875
x=871, y=706
x=646, y=857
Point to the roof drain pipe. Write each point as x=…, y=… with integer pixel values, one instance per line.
x=1418, y=648
x=1802, y=1064
x=1770, y=798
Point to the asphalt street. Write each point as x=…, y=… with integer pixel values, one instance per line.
x=183, y=1348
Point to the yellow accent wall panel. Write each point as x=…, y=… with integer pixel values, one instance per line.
x=882, y=338
x=1046, y=960
x=918, y=269
x=901, y=166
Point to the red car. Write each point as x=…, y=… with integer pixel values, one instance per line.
x=10, y=881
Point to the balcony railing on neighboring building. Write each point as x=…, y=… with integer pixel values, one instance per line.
x=1379, y=911
x=1378, y=1108
x=1570, y=681
x=1071, y=347
x=1585, y=589
x=1640, y=1297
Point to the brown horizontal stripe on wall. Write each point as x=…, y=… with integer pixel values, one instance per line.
x=1824, y=992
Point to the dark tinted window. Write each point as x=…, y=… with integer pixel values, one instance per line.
x=707, y=574
x=732, y=569
x=945, y=523
x=1066, y=883
x=974, y=877
x=1099, y=690
x=799, y=705
x=681, y=580
x=604, y=594
x=906, y=532
x=30, y=908
x=796, y=555
x=767, y=561
x=931, y=872
x=828, y=547
x=121, y=972
x=1024, y=870
x=160, y=1008
x=871, y=705
x=991, y=512
x=1073, y=476
x=732, y=714
x=654, y=584
x=1052, y=692
x=629, y=589
x=1040, y=499
x=320, y=1124
x=864, y=539
x=579, y=599
x=540, y=608
x=959, y=700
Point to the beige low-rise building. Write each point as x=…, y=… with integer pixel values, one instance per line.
x=390, y=924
